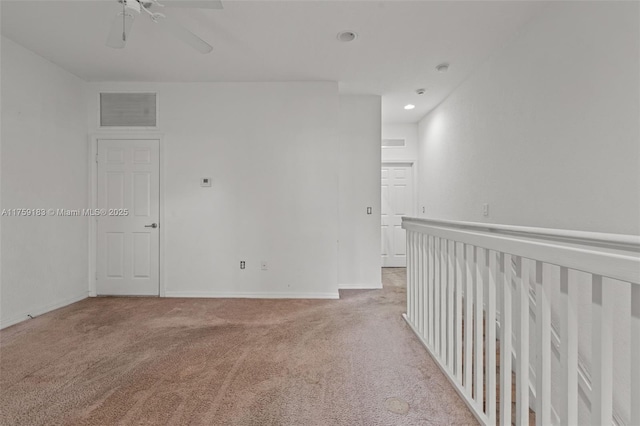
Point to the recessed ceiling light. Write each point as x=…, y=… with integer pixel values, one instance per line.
x=347, y=36
x=442, y=67
x=410, y=106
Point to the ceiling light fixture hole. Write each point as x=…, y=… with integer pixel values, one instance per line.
x=347, y=36
x=444, y=67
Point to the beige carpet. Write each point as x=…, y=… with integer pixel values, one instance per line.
x=139, y=361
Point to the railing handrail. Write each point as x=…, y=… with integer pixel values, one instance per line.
x=633, y=241
x=615, y=256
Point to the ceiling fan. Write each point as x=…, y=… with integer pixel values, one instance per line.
x=123, y=21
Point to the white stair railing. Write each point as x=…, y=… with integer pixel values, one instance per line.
x=467, y=280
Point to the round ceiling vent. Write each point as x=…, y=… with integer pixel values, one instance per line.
x=347, y=36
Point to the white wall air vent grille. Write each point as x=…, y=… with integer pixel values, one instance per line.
x=128, y=110
x=393, y=143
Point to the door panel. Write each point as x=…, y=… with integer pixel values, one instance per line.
x=400, y=242
x=115, y=254
x=115, y=190
x=397, y=201
x=400, y=201
x=128, y=252
x=142, y=194
x=141, y=252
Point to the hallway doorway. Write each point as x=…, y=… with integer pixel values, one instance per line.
x=397, y=201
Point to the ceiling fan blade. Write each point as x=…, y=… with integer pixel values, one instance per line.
x=118, y=27
x=183, y=34
x=199, y=4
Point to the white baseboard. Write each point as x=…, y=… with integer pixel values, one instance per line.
x=365, y=286
x=251, y=295
x=4, y=323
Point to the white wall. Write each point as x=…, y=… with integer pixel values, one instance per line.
x=547, y=130
x=44, y=165
x=406, y=131
x=359, y=188
x=270, y=149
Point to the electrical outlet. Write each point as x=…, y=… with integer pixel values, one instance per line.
x=264, y=266
x=242, y=264
x=485, y=209
x=423, y=209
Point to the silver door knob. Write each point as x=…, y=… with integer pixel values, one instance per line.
x=153, y=225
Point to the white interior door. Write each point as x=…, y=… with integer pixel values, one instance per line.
x=128, y=252
x=397, y=201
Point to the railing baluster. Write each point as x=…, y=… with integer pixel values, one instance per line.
x=491, y=272
x=468, y=319
x=420, y=289
x=450, y=292
x=425, y=287
x=634, y=356
x=436, y=301
x=409, y=276
x=418, y=279
x=443, y=298
x=543, y=353
x=432, y=279
x=601, y=353
x=479, y=328
x=522, y=352
x=505, y=276
x=416, y=276
x=460, y=283
x=568, y=350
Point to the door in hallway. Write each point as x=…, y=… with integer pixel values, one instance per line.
x=397, y=201
x=128, y=240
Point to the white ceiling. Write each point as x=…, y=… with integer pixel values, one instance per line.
x=399, y=43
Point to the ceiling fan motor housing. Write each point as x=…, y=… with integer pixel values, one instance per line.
x=136, y=5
